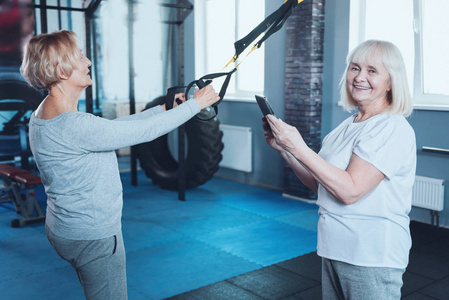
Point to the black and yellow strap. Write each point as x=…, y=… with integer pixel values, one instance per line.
x=270, y=25
x=207, y=79
x=267, y=27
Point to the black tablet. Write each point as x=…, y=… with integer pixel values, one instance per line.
x=264, y=105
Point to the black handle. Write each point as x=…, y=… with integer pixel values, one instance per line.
x=171, y=92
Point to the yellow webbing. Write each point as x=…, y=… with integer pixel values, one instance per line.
x=234, y=58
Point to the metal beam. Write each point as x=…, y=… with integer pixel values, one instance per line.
x=92, y=7
x=43, y=13
x=89, y=100
x=132, y=97
x=183, y=9
x=46, y=7
x=88, y=19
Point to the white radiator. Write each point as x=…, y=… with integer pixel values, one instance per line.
x=237, y=152
x=428, y=193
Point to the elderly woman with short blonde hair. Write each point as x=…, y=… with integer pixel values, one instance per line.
x=75, y=154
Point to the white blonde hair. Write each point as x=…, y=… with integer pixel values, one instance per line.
x=399, y=97
x=44, y=53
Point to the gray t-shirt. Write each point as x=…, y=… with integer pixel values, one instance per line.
x=75, y=156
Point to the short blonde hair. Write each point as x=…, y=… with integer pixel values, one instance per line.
x=44, y=53
x=399, y=97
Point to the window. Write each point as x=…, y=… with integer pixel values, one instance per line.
x=218, y=24
x=418, y=28
x=435, y=48
x=112, y=40
x=112, y=65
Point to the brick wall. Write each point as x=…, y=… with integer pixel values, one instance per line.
x=303, y=82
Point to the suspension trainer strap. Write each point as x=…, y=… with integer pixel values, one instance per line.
x=171, y=93
x=210, y=77
x=207, y=79
x=270, y=25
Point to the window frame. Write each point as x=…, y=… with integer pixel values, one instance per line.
x=421, y=100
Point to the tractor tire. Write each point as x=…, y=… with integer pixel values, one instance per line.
x=204, y=147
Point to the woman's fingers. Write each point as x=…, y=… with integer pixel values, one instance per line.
x=279, y=129
x=206, y=96
x=265, y=124
x=274, y=123
x=179, y=99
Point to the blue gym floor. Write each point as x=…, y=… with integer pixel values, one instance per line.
x=222, y=230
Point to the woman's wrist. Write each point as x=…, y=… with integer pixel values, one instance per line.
x=285, y=154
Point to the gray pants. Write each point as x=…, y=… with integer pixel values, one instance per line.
x=345, y=281
x=99, y=264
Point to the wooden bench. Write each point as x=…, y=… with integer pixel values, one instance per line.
x=16, y=180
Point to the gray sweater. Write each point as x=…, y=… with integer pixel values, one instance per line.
x=75, y=156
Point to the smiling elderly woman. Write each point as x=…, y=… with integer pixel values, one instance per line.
x=364, y=174
x=74, y=152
